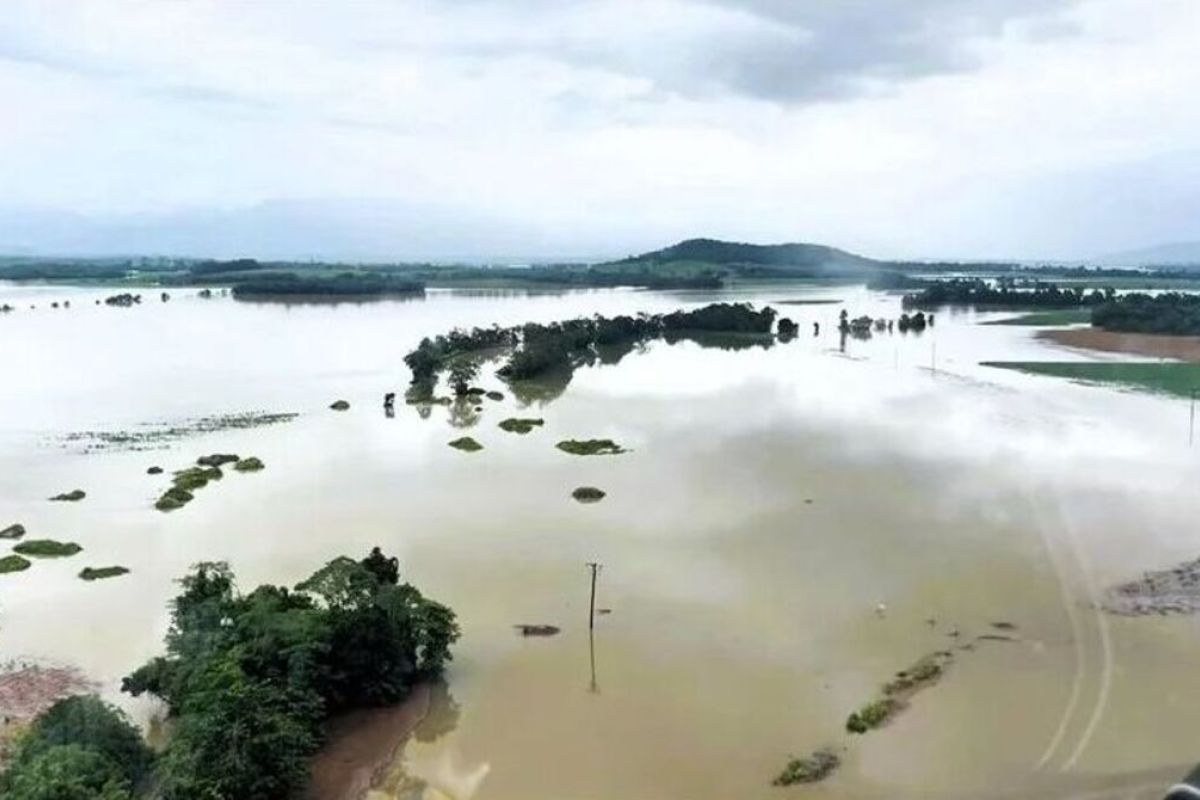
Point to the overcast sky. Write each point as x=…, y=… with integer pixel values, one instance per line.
x=468, y=128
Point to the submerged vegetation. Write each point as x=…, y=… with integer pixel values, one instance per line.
x=810, y=769
x=1048, y=319
x=520, y=425
x=15, y=531
x=249, y=464
x=896, y=692
x=158, y=436
x=99, y=573
x=588, y=494
x=73, y=496
x=466, y=444
x=590, y=447
x=12, y=563
x=340, y=405
x=46, y=548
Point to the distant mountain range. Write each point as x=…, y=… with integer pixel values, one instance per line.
x=1175, y=254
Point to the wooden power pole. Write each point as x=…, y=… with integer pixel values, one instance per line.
x=595, y=568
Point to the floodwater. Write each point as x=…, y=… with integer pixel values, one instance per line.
x=772, y=499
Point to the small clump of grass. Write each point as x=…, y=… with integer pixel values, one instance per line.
x=520, y=424
x=872, y=715
x=217, y=460
x=13, y=532
x=99, y=573
x=13, y=564
x=173, y=498
x=250, y=464
x=494, y=395
x=47, y=548
x=73, y=496
x=466, y=444
x=340, y=405
x=194, y=478
x=154, y=471
x=810, y=769
x=590, y=447
x=588, y=494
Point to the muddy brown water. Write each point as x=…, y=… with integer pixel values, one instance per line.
x=771, y=500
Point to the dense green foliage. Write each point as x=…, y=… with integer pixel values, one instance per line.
x=466, y=444
x=99, y=573
x=538, y=349
x=1169, y=313
x=80, y=748
x=590, y=447
x=810, y=769
x=73, y=496
x=1003, y=293
x=249, y=678
x=346, y=284
x=12, y=563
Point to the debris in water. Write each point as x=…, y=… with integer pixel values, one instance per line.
x=537, y=630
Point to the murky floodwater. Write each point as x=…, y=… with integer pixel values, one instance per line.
x=771, y=499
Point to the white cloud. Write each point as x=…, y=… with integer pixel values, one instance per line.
x=985, y=127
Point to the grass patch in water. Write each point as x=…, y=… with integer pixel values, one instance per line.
x=99, y=573
x=13, y=564
x=73, y=496
x=588, y=494
x=494, y=395
x=810, y=769
x=194, y=478
x=340, y=405
x=590, y=447
x=872, y=715
x=520, y=425
x=47, y=548
x=217, y=460
x=466, y=444
x=1169, y=377
x=251, y=464
x=1048, y=319
x=173, y=499
x=13, y=532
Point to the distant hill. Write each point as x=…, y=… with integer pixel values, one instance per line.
x=1174, y=254
x=757, y=259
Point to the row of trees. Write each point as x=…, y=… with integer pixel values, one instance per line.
x=538, y=349
x=1004, y=292
x=346, y=284
x=1169, y=313
x=248, y=680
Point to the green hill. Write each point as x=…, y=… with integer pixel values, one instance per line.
x=751, y=260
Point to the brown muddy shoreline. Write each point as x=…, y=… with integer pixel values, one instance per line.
x=1180, y=348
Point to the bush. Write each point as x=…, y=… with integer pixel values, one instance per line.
x=46, y=548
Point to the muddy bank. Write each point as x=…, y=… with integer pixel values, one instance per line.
x=1182, y=348
x=363, y=746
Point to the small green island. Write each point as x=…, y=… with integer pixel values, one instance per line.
x=590, y=447
x=15, y=531
x=100, y=573
x=466, y=444
x=46, y=548
x=589, y=494
x=520, y=425
x=73, y=496
x=13, y=563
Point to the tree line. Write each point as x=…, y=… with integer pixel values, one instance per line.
x=1004, y=293
x=1169, y=313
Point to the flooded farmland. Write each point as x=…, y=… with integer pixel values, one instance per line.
x=789, y=526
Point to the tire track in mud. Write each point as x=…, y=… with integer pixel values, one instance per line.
x=1089, y=633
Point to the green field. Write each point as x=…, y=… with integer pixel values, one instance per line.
x=1172, y=378
x=1048, y=319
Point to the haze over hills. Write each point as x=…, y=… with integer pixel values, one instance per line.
x=1174, y=254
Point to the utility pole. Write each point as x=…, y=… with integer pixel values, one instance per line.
x=594, y=567
x=1192, y=421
